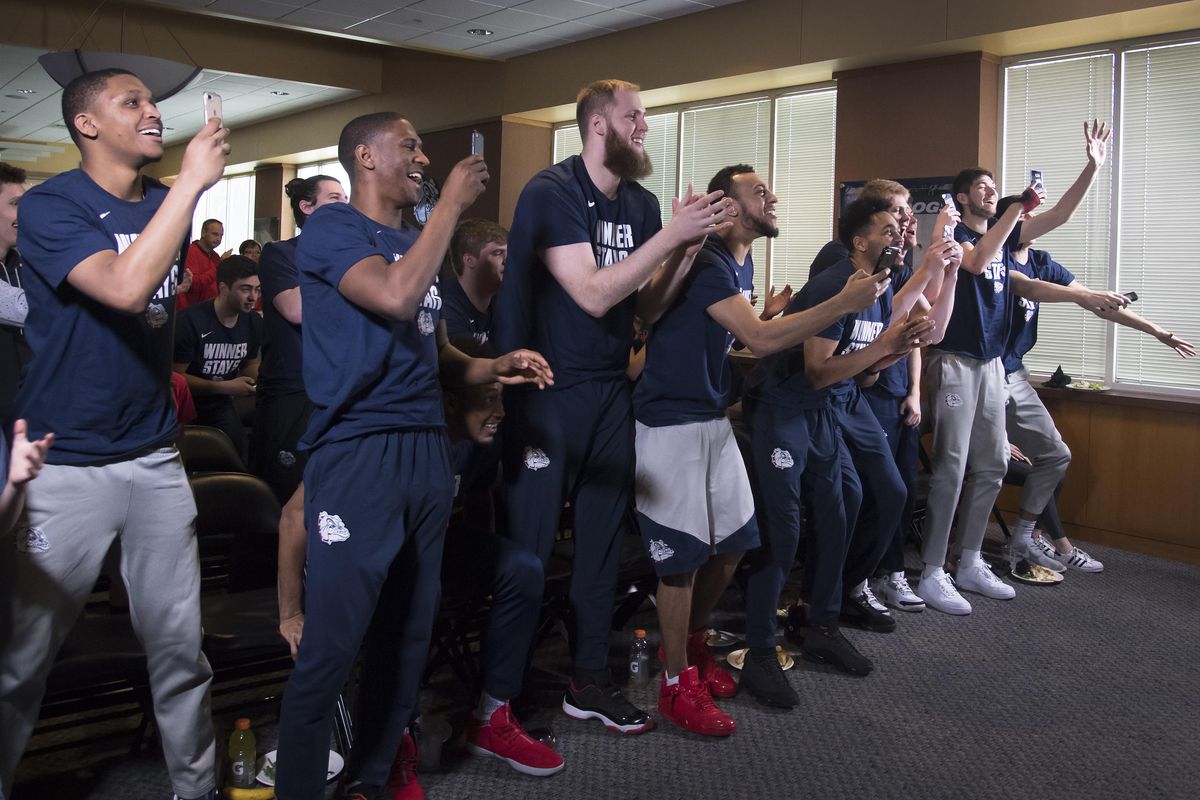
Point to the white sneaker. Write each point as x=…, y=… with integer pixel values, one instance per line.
x=939, y=593
x=872, y=601
x=979, y=579
x=896, y=593
x=1077, y=559
x=1039, y=552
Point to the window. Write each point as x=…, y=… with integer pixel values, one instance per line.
x=787, y=138
x=230, y=200
x=1122, y=237
x=331, y=168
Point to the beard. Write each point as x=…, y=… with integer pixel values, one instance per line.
x=623, y=160
x=765, y=226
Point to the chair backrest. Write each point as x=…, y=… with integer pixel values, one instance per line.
x=242, y=511
x=205, y=449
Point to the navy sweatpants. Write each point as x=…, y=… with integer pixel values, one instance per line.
x=477, y=565
x=868, y=455
x=375, y=509
x=574, y=443
x=795, y=452
x=904, y=442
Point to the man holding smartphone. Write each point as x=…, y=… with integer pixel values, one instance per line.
x=102, y=247
x=965, y=377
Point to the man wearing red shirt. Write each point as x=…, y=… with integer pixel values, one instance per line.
x=202, y=261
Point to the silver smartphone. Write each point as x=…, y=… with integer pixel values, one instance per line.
x=477, y=144
x=213, y=107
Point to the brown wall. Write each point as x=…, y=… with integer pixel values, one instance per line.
x=446, y=148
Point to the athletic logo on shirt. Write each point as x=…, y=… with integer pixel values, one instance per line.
x=614, y=241
x=331, y=528
x=1030, y=307
x=996, y=272
x=156, y=315
x=32, y=540
x=536, y=459
x=221, y=358
x=286, y=458
x=659, y=550
x=782, y=459
x=953, y=400
x=425, y=323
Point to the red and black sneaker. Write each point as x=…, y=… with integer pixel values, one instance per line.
x=689, y=705
x=604, y=701
x=402, y=783
x=503, y=737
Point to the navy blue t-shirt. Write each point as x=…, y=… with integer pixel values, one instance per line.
x=475, y=466
x=100, y=379
x=4, y=456
x=893, y=380
x=561, y=206
x=983, y=303
x=282, y=369
x=832, y=253
x=363, y=373
x=780, y=378
x=463, y=319
x=214, y=352
x=687, y=376
x=1023, y=335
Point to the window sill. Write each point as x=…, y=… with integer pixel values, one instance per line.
x=1121, y=396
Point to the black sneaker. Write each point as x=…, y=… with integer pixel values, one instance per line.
x=864, y=611
x=763, y=678
x=604, y=701
x=796, y=625
x=825, y=644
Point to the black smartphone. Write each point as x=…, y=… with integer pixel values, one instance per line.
x=1035, y=178
x=887, y=259
x=477, y=144
x=1132, y=296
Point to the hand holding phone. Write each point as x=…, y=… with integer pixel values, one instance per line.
x=477, y=144
x=1132, y=296
x=887, y=259
x=1035, y=178
x=213, y=107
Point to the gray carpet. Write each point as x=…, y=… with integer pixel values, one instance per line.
x=1088, y=689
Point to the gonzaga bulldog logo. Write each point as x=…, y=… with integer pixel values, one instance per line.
x=425, y=323
x=536, y=459
x=331, y=528
x=782, y=459
x=660, y=551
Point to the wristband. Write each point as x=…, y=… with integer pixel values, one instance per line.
x=1030, y=200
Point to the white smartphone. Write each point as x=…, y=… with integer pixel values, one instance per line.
x=477, y=144
x=213, y=107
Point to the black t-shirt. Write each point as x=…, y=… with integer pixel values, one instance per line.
x=212, y=351
x=463, y=319
x=282, y=351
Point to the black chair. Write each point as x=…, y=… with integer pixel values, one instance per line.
x=205, y=449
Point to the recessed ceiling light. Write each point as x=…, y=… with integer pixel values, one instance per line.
x=278, y=93
x=479, y=32
x=26, y=91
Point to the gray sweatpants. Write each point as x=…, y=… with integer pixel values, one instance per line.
x=966, y=403
x=49, y=566
x=1031, y=428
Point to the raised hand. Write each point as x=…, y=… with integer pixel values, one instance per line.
x=27, y=457
x=947, y=216
x=776, y=303
x=523, y=366
x=901, y=338
x=862, y=290
x=1102, y=302
x=703, y=215
x=1096, y=138
x=204, y=160
x=1185, y=348
x=465, y=183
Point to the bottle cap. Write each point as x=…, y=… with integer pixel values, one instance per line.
x=639, y=633
x=242, y=724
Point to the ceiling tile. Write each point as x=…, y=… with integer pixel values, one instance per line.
x=561, y=9
x=410, y=18
x=573, y=31
x=515, y=21
x=664, y=9
x=319, y=19
x=363, y=9
x=444, y=40
x=375, y=29
x=617, y=19
x=459, y=9
x=265, y=9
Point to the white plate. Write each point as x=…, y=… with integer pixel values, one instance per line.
x=335, y=766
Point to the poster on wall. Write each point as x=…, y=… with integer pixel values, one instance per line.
x=925, y=196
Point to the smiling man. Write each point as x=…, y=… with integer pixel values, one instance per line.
x=14, y=352
x=201, y=262
x=477, y=255
x=587, y=248
x=102, y=247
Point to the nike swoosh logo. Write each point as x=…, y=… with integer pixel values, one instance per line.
x=205, y=334
x=591, y=203
x=105, y=214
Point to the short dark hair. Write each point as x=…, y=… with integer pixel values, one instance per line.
x=305, y=190
x=11, y=174
x=80, y=93
x=723, y=180
x=962, y=181
x=362, y=130
x=208, y=222
x=232, y=269
x=597, y=96
x=246, y=245
x=471, y=236
x=857, y=216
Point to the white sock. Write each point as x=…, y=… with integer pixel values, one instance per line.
x=487, y=706
x=930, y=571
x=899, y=575
x=1023, y=532
x=670, y=681
x=968, y=559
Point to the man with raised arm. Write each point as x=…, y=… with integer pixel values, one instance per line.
x=587, y=249
x=102, y=246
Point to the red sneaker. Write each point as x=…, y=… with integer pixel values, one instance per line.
x=719, y=682
x=503, y=737
x=402, y=783
x=689, y=705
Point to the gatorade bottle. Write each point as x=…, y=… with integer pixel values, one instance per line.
x=243, y=757
x=639, y=659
